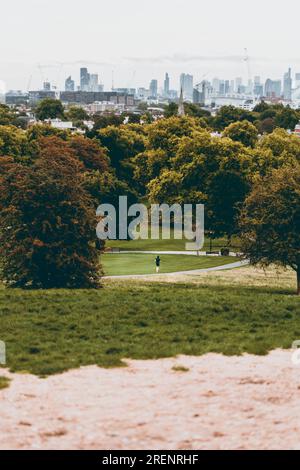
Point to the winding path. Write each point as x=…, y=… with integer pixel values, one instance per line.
x=237, y=264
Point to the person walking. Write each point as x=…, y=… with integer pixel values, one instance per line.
x=157, y=263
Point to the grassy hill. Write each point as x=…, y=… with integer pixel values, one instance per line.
x=50, y=331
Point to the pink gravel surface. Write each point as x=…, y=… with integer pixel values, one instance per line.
x=247, y=402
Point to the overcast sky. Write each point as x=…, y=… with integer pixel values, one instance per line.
x=140, y=40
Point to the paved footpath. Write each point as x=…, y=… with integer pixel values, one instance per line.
x=186, y=253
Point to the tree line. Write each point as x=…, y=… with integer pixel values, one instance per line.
x=51, y=181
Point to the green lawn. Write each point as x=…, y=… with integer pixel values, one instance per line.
x=123, y=264
x=169, y=245
x=51, y=331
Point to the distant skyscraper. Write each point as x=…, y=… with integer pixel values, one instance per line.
x=297, y=80
x=250, y=87
x=216, y=85
x=238, y=84
x=273, y=88
x=258, y=88
x=46, y=86
x=69, y=84
x=222, y=87
x=287, y=85
x=84, y=79
x=93, y=82
x=153, y=88
x=187, y=85
x=167, y=86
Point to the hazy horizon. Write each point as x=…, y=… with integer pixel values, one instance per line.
x=138, y=42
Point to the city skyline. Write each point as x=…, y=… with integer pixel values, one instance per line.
x=57, y=74
x=139, y=45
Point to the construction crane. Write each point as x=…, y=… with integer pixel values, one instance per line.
x=130, y=83
x=202, y=78
x=201, y=84
x=112, y=80
x=247, y=61
x=29, y=83
x=59, y=66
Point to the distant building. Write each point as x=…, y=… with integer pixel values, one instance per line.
x=69, y=84
x=173, y=94
x=297, y=80
x=153, y=89
x=272, y=88
x=216, y=85
x=59, y=124
x=36, y=96
x=239, y=85
x=143, y=94
x=197, y=96
x=247, y=104
x=203, y=91
x=105, y=106
x=227, y=87
x=297, y=130
x=16, y=98
x=222, y=87
x=2, y=92
x=94, y=82
x=287, y=85
x=46, y=86
x=126, y=91
x=89, y=97
x=258, y=88
x=187, y=86
x=84, y=79
x=167, y=86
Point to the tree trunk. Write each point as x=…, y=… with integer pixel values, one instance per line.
x=298, y=280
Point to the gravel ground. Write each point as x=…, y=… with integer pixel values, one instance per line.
x=218, y=402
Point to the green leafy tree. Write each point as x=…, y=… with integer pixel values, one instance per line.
x=122, y=144
x=171, y=110
x=90, y=153
x=266, y=126
x=284, y=146
x=243, y=132
x=13, y=141
x=132, y=118
x=101, y=121
x=49, y=108
x=270, y=220
x=226, y=193
x=287, y=118
x=8, y=116
x=44, y=130
x=47, y=225
x=76, y=114
x=261, y=107
x=226, y=116
x=165, y=134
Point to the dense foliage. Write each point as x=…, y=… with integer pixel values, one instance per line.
x=47, y=224
x=270, y=220
x=176, y=159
